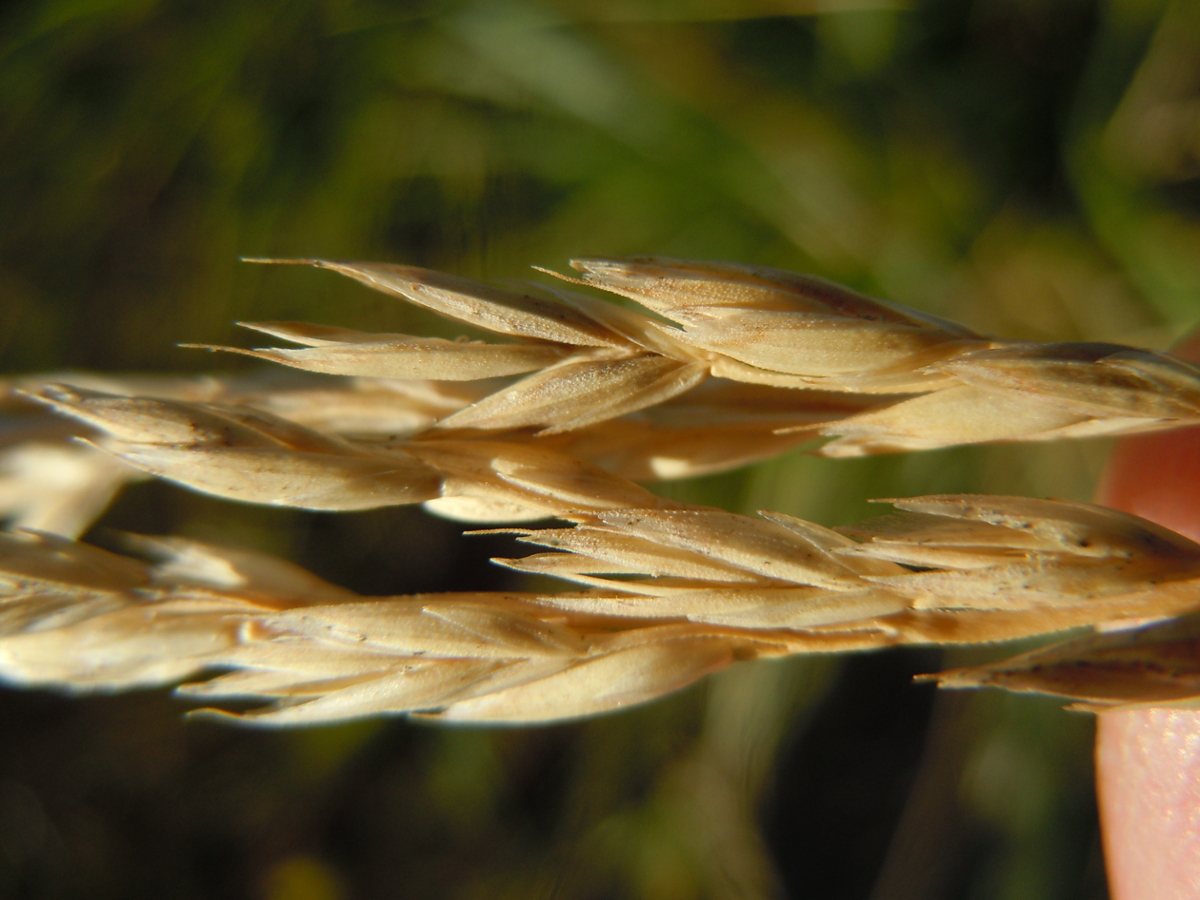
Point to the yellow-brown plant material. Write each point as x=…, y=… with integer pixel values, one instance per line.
x=923, y=382
x=729, y=364
x=671, y=593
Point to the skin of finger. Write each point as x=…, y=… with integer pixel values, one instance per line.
x=1148, y=761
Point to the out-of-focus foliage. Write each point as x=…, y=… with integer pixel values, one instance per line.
x=1028, y=168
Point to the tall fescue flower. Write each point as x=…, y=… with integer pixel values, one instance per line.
x=920, y=381
x=727, y=364
x=671, y=595
x=241, y=453
x=78, y=617
x=54, y=478
x=1151, y=665
x=731, y=364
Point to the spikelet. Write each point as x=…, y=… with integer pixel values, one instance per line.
x=1153, y=665
x=347, y=407
x=340, y=351
x=51, y=480
x=1032, y=392
x=821, y=334
x=551, y=423
x=80, y=618
x=669, y=594
x=482, y=658
x=77, y=617
x=755, y=361
x=952, y=569
x=919, y=382
x=649, y=400
x=243, y=454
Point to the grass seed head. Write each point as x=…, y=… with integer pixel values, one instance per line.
x=750, y=361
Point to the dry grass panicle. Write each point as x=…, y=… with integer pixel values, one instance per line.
x=669, y=594
x=728, y=364
x=920, y=381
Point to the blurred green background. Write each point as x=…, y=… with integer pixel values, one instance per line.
x=1028, y=167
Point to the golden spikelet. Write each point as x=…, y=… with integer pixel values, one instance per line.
x=920, y=382
x=1152, y=665
x=670, y=595
x=730, y=364
x=720, y=387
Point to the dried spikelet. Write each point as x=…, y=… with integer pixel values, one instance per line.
x=49, y=483
x=241, y=454
x=613, y=384
x=676, y=288
x=672, y=593
x=957, y=569
x=513, y=313
x=1032, y=392
x=80, y=618
x=77, y=617
x=447, y=655
x=580, y=392
x=1013, y=553
x=918, y=381
x=806, y=328
x=1154, y=665
x=348, y=407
